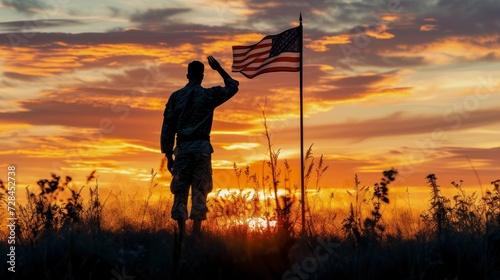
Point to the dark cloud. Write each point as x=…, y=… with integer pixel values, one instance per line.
x=400, y=123
x=115, y=61
x=276, y=14
x=26, y=6
x=490, y=57
x=110, y=121
x=466, y=17
x=47, y=40
x=157, y=15
x=173, y=34
x=158, y=76
x=353, y=19
x=115, y=120
x=115, y=11
x=483, y=155
x=472, y=165
x=388, y=61
x=35, y=25
x=20, y=76
x=321, y=18
x=52, y=112
x=139, y=82
x=332, y=86
x=364, y=80
x=361, y=21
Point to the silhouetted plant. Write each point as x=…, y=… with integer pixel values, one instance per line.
x=465, y=216
x=267, y=255
x=152, y=184
x=49, y=209
x=282, y=209
x=352, y=225
x=491, y=202
x=285, y=223
x=3, y=196
x=273, y=159
x=320, y=170
x=309, y=162
x=373, y=229
x=2, y=189
x=93, y=213
x=438, y=214
x=308, y=166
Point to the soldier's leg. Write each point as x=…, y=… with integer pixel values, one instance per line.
x=179, y=187
x=197, y=228
x=181, y=226
x=202, y=186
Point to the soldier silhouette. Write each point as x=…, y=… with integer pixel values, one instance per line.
x=188, y=120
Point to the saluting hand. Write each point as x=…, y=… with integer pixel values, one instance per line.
x=213, y=63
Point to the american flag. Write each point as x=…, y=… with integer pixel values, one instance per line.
x=274, y=53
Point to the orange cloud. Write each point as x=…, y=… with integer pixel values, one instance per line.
x=390, y=17
x=453, y=49
x=49, y=61
x=428, y=27
x=380, y=32
x=321, y=44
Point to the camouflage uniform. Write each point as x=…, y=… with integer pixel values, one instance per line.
x=189, y=115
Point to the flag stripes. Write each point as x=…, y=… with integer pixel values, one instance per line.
x=256, y=59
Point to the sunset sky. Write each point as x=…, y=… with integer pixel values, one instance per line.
x=412, y=85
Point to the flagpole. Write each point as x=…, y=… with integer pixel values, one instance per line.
x=302, y=187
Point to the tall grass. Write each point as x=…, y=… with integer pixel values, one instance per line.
x=460, y=237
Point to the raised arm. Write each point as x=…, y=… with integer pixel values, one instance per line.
x=215, y=65
x=230, y=85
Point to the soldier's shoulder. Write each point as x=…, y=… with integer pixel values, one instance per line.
x=177, y=93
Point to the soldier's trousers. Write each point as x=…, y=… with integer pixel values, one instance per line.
x=191, y=170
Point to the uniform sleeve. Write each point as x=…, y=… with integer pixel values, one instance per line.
x=167, y=137
x=223, y=94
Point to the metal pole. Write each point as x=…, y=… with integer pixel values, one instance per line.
x=302, y=187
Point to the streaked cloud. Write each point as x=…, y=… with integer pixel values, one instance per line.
x=23, y=26
x=399, y=123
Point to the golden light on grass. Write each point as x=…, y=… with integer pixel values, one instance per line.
x=260, y=224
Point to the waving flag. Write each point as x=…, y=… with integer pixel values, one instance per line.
x=277, y=53
x=274, y=53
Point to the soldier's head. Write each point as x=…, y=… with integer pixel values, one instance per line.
x=195, y=71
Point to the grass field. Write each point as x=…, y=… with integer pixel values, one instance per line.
x=64, y=232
